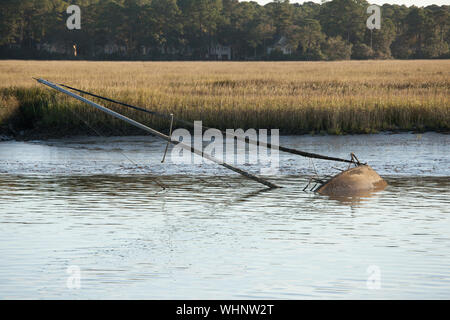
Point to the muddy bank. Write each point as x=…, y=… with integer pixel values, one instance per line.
x=6, y=134
x=25, y=134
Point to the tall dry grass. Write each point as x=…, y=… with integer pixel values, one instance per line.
x=296, y=97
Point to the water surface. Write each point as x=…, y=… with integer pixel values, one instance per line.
x=137, y=228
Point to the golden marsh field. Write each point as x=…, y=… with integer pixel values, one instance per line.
x=295, y=97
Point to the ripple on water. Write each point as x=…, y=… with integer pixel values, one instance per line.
x=211, y=234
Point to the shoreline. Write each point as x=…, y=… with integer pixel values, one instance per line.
x=30, y=135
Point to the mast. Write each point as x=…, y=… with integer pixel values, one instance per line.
x=159, y=134
x=245, y=139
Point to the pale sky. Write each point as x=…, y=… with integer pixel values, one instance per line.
x=418, y=3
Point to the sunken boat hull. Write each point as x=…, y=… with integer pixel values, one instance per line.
x=355, y=181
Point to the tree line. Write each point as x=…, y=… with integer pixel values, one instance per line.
x=221, y=29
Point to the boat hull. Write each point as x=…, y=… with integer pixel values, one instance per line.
x=355, y=181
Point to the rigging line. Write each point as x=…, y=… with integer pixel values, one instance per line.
x=121, y=152
x=160, y=135
x=125, y=104
x=190, y=124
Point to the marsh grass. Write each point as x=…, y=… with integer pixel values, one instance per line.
x=296, y=97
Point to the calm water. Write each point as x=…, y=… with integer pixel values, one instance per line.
x=214, y=235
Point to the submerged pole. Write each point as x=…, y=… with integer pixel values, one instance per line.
x=159, y=134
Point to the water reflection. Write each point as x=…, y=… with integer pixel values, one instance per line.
x=355, y=199
x=200, y=237
x=216, y=235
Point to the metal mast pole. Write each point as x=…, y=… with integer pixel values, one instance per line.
x=159, y=134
